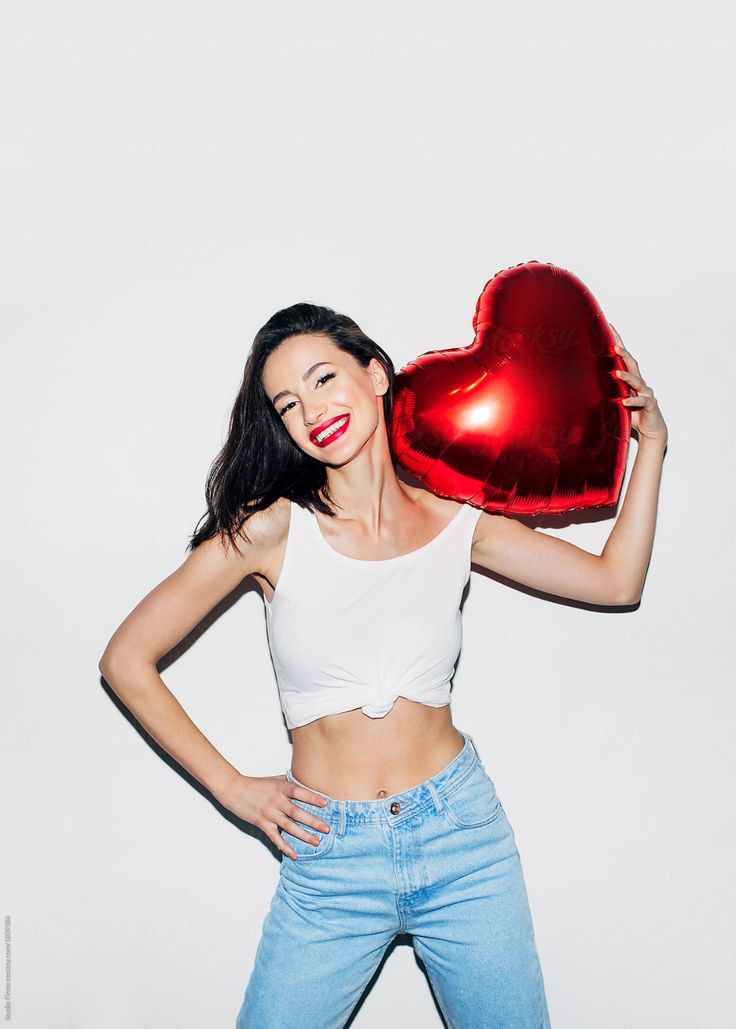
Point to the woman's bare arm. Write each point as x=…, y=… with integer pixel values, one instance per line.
x=163, y=618
x=555, y=566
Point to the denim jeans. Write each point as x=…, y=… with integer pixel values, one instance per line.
x=438, y=862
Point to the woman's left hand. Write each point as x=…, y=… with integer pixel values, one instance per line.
x=646, y=417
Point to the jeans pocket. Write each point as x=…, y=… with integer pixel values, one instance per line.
x=302, y=848
x=474, y=802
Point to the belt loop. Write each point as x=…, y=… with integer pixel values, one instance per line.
x=341, y=821
x=435, y=797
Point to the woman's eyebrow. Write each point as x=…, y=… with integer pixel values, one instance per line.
x=285, y=392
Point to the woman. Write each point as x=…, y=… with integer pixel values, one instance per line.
x=387, y=818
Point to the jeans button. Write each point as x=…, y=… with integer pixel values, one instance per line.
x=395, y=808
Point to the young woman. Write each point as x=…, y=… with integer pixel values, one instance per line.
x=387, y=818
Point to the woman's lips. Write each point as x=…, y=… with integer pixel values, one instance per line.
x=335, y=434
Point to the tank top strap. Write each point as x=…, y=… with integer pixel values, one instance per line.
x=472, y=514
x=303, y=526
x=461, y=531
x=294, y=565
x=468, y=517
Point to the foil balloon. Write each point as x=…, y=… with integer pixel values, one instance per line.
x=528, y=417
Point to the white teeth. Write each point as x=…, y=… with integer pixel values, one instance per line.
x=332, y=428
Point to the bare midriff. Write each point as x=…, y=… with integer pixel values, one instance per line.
x=350, y=756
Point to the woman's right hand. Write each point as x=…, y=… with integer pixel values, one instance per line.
x=266, y=802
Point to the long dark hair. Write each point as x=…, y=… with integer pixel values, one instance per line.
x=260, y=461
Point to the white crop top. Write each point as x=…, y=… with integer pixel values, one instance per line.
x=346, y=633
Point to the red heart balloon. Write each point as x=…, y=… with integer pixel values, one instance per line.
x=528, y=417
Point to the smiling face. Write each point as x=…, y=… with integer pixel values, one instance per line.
x=315, y=386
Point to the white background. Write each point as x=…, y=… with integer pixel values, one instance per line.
x=173, y=173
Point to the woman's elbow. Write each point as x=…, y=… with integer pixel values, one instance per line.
x=627, y=598
x=106, y=662
x=113, y=660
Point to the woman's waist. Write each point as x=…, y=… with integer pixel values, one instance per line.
x=350, y=756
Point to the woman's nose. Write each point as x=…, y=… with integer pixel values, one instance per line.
x=313, y=416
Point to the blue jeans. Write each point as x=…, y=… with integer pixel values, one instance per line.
x=439, y=862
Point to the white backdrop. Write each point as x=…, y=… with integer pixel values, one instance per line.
x=173, y=173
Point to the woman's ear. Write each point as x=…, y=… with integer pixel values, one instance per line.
x=380, y=378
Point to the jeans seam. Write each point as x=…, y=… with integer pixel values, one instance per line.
x=474, y=825
x=447, y=808
x=457, y=783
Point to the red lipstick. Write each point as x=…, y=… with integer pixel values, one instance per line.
x=333, y=435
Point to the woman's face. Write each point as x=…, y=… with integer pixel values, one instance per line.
x=314, y=385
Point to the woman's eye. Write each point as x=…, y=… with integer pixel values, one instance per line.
x=322, y=378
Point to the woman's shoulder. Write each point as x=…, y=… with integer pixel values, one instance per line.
x=268, y=527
